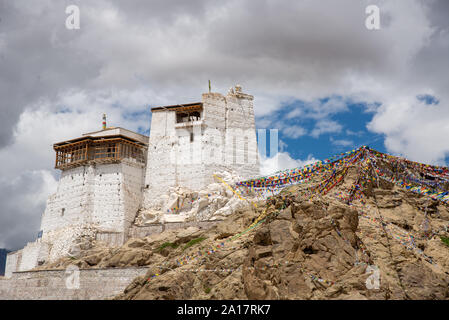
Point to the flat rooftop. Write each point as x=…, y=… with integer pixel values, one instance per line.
x=186, y=106
x=109, y=133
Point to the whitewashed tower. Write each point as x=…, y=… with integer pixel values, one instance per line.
x=98, y=195
x=189, y=142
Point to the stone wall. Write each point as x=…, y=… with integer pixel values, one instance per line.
x=51, y=284
x=140, y=232
x=133, y=178
x=12, y=262
x=30, y=254
x=112, y=239
x=159, y=173
x=67, y=205
x=106, y=195
x=231, y=131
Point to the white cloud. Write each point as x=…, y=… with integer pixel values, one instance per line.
x=325, y=126
x=294, y=113
x=23, y=202
x=66, y=117
x=263, y=123
x=293, y=131
x=414, y=129
x=341, y=142
x=353, y=133
x=319, y=110
x=282, y=161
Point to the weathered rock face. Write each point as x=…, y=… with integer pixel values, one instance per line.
x=305, y=244
x=319, y=248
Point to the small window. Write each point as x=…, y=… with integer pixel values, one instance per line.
x=191, y=136
x=182, y=117
x=62, y=212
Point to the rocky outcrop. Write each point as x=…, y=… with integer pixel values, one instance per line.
x=180, y=204
x=314, y=249
x=385, y=245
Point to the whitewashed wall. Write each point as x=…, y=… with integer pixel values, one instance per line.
x=12, y=263
x=30, y=256
x=72, y=197
x=159, y=174
x=133, y=177
x=174, y=160
x=106, y=195
x=89, y=199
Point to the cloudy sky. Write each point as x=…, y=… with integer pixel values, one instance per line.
x=319, y=76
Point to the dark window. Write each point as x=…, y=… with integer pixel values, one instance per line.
x=187, y=116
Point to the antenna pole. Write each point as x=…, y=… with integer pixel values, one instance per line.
x=104, y=121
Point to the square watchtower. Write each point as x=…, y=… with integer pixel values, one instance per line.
x=189, y=142
x=102, y=176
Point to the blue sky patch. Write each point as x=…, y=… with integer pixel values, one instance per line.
x=427, y=99
x=322, y=128
x=138, y=116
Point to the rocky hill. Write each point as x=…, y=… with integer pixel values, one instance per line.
x=363, y=225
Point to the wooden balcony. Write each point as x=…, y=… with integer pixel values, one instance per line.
x=90, y=150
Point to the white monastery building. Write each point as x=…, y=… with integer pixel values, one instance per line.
x=111, y=178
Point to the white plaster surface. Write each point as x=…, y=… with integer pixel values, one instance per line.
x=52, y=284
x=12, y=263
x=223, y=140
x=91, y=199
